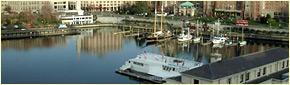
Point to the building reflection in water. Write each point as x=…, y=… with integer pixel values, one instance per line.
x=100, y=42
x=26, y=44
x=208, y=54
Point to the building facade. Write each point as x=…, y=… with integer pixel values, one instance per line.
x=97, y=5
x=20, y=6
x=70, y=12
x=255, y=9
x=246, y=9
x=251, y=68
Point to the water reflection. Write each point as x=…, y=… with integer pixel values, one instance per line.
x=27, y=44
x=57, y=61
x=100, y=43
x=208, y=54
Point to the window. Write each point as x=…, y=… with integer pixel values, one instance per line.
x=137, y=63
x=229, y=80
x=247, y=76
x=283, y=64
x=259, y=73
x=55, y=7
x=195, y=81
x=63, y=2
x=242, y=78
x=55, y=3
x=63, y=6
x=287, y=63
x=264, y=70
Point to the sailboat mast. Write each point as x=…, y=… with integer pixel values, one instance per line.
x=218, y=27
x=161, y=16
x=242, y=34
x=197, y=27
x=154, y=29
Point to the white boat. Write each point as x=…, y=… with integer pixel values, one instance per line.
x=219, y=40
x=196, y=39
x=242, y=43
x=159, y=65
x=184, y=37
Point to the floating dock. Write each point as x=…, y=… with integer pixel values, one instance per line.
x=139, y=75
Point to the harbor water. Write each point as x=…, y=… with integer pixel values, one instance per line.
x=93, y=57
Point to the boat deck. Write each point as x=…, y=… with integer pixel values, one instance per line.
x=147, y=77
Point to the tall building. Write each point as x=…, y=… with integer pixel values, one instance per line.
x=254, y=9
x=97, y=5
x=208, y=7
x=228, y=8
x=70, y=12
x=20, y=6
x=246, y=9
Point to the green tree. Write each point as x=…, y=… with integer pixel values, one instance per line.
x=139, y=7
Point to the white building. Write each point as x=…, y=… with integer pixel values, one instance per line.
x=70, y=12
x=77, y=19
x=259, y=67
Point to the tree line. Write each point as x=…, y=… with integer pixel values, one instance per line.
x=29, y=19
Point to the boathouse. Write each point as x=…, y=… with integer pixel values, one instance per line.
x=251, y=68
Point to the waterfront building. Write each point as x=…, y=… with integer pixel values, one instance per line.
x=186, y=8
x=251, y=68
x=70, y=12
x=255, y=9
x=223, y=8
x=247, y=9
x=96, y=5
x=20, y=6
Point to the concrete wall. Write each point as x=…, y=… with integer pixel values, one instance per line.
x=109, y=19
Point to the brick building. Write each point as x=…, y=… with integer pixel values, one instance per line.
x=246, y=9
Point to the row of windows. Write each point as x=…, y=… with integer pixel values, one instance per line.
x=100, y=5
x=260, y=72
x=59, y=2
x=101, y=2
x=167, y=68
x=137, y=63
x=84, y=18
x=27, y=2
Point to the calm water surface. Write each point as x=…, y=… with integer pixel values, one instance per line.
x=93, y=57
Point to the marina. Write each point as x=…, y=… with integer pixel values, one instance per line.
x=97, y=49
x=144, y=42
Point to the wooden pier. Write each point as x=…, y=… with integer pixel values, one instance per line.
x=13, y=34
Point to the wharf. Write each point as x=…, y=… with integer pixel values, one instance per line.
x=147, y=77
x=12, y=34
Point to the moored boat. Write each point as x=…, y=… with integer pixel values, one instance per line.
x=159, y=65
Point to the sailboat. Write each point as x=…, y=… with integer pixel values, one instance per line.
x=218, y=39
x=243, y=42
x=197, y=37
x=184, y=37
x=159, y=34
